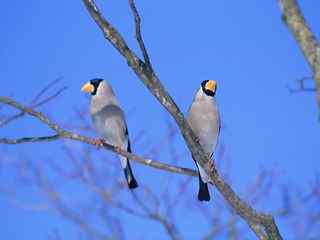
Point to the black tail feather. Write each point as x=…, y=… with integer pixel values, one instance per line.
x=203, y=194
x=132, y=183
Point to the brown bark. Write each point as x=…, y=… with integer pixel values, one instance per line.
x=306, y=40
x=262, y=224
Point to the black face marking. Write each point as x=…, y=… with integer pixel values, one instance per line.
x=95, y=83
x=206, y=91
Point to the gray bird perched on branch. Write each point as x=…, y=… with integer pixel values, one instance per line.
x=204, y=120
x=109, y=121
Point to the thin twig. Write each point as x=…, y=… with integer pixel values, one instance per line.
x=306, y=39
x=61, y=208
x=302, y=86
x=156, y=216
x=35, y=101
x=44, y=90
x=49, y=98
x=30, y=139
x=139, y=38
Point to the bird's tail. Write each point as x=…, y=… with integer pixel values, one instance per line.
x=203, y=194
x=132, y=183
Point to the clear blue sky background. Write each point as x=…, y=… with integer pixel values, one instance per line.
x=242, y=44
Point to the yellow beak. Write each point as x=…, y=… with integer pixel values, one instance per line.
x=88, y=87
x=211, y=85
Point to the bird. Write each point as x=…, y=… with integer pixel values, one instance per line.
x=204, y=120
x=109, y=122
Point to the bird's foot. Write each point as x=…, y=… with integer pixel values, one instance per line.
x=211, y=165
x=99, y=142
x=197, y=140
x=118, y=148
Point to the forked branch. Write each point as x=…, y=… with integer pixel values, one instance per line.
x=307, y=41
x=61, y=133
x=139, y=38
x=262, y=224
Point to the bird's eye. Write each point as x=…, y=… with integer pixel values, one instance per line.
x=95, y=83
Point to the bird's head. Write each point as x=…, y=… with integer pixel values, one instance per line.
x=209, y=87
x=92, y=86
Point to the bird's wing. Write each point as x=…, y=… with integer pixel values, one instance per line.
x=111, y=125
x=129, y=144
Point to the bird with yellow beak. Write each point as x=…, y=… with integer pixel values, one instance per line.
x=204, y=119
x=109, y=121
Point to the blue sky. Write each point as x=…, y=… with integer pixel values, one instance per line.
x=243, y=45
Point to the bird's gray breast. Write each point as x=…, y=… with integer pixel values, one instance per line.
x=204, y=119
x=110, y=124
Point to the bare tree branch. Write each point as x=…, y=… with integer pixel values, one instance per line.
x=302, y=86
x=44, y=90
x=61, y=133
x=36, y=101
x=156, y=216
x=139, y=38
x=251, y=216
x=55, y=199
x=305, y=38
x=30, y=139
